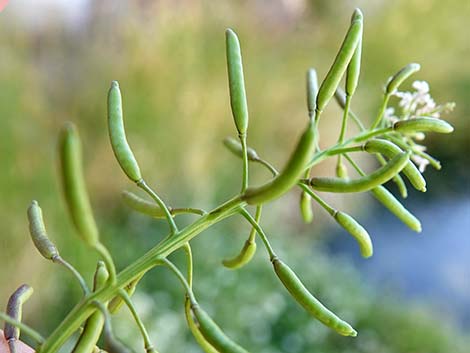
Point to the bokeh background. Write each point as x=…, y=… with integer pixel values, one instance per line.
x=57, y=60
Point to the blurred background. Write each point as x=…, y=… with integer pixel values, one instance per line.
x=57, y=60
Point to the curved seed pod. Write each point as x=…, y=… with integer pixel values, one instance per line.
x=333, y=77
x=312, y=90
x=141, y=205
x=365, y=183
x=354, y=67
x=15, y=310
x=396, y=80
x=236, y=82
x=73, y=183
x=37, y=229
x=117, y=135
x=213, y=334
x=245, y=255
x=423, y=125
x=311, y=304
x=291, y=173
x=399, y=182
x=306, y=207
x=235, y=147
x=201, y=341
x=390, y=150
x=341, y=171
x=357, y=231
x=393, y=205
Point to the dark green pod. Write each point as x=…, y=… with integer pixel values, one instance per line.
x=334, y=75
x=306, y=207
x=236, y=82
x=74, y=187
x=193, y=327
x=291, y=173
x=357, y=231
x=312, y=90
x=15, y=310
x=213, y=334
x=37, y=229
x=393, y=205
x=390, y=150
x=311, y=304
x=365, y=183
x=235, y=147
x=117, y=135
x=423, y=124
x=354, y=68
x=396, y=80
x=245, y=255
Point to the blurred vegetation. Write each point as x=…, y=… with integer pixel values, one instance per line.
x=170, y=61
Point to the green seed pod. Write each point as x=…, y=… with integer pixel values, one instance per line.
x=235, y=147
x=213, y=334
x=73, y=183
x=357, y=231
x=15, y=310
x=306, y=207
x=423, y=125
x=312, y=90
x=354, y=67
x=333, y=77
x=245, y=255
x=37, y=229
x=101, y=276
x=390, y=150
x=365, y=183
x=141, y=205
x=291, y=173
x=311, y=304
x=201, y=341
x=341, y=171
x=236, y=82
x=396, y=80
x=117, y=135
x=394, y=206
x=398, y=180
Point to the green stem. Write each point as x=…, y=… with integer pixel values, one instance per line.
x=59, y=260
x=23, y=327
x=259, y=210
x=318, y=199
x=345, y=119
x=181, y=278
x=186, y=210
x=268, y=165
x=242, y=138
x=189, y=259
x=260, y=232
x=381, y=112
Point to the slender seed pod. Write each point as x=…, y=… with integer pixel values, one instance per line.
x=357, y=231
x=15, y=310
x=141, y=205
x=390, y=150
x=306, y=207
x=245, y=255
x=333, y=77
x=74, y=187
x=354, y=68
x=312, y=90
x=400, y=183
x=423, y=124
x=396, y=80
x=236, y=82
x=235, y=147
x=213, y=334
x=365, y=183
x=37, y=229
x=117, y=135
x=291, y=173
x=311, y=304
x=193, y=327
x=393, y=205
x=101, y=276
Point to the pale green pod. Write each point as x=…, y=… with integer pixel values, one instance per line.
x=396, y=80
x=390, y=150
x=399, y=182
x=141, y=205
x=306, y=209
x=245, y=255
x=393, y=205
x=354, y=68
x=15, y=310
x=235, y=147
x=37, y=229
x=291, y=173
x=334, y=75
x=213, y=334
x=117, y=135
x=311, y=304
x=423, y=124
x=101, y=276
x=193, y=327
x=341, y=171
x=357, y=231
x=312, y=90
x=236, y=82
x=365, y=183
x=74, y=187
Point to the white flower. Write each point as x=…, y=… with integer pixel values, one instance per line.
x=389, y=115
x=421, y=86
x=420, y=162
